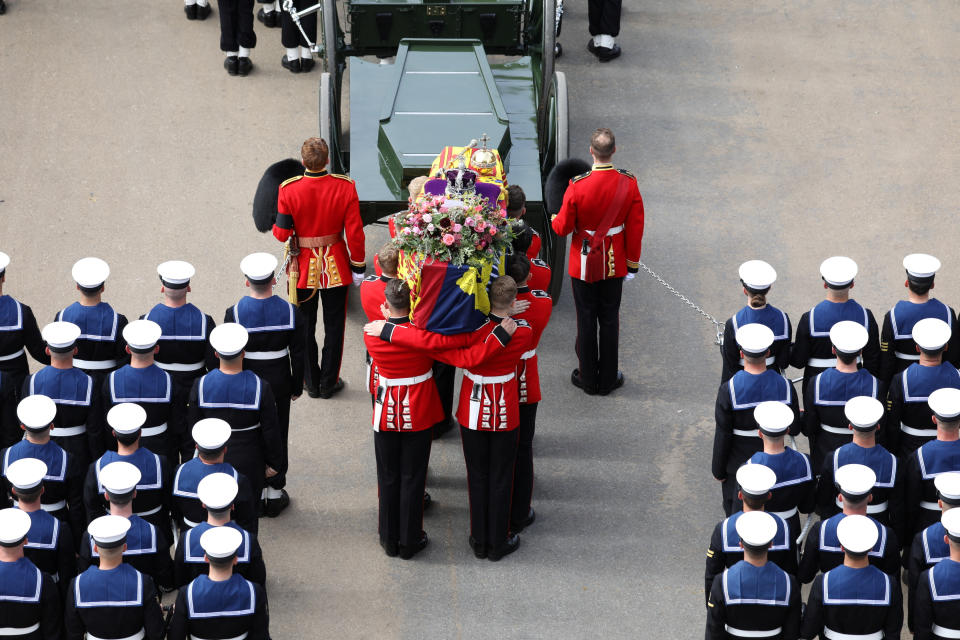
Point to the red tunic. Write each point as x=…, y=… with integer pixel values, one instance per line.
x=539, y=277
x=371, y=297
x=322, y=205
x=538, y=315
x=584, y=205
x=534, y=249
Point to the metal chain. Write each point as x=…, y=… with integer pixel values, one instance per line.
x=690, y=303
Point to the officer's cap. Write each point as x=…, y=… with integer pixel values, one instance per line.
x=109, y=532
x=951, y=522
x=773, y=418
x=175, y=274
x=14, y=526
x=754, y=338
x=119, y=478
x=26, y=473
x=948, y=487
x=259, y=267
x=855, y=481
x=863, y=412
x=142, y=335
x=60, y=336
x=857, y=534
x=756, y=480
x=217, y=491
x=4, y=262
x=757, y=275
x=921, y=267
x=756, y=528
x=945, y=403
x=211, y=434
x=221, y=542
x=848, y=336
x=931, y=334
x=36, y=413
x=90, y=273
x=838, y=271
x=228, y=339
x=126, y=418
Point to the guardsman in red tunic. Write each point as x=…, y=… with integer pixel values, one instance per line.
x=372, y=298
x=516, y=208
x=540, y=275
x=604, y=211
x=528, y=379
x=322, y=211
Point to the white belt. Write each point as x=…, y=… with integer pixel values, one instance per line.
x=489, y=379
x=63, y=432
x=880, y=507
x=526, y=355
x=266, y=355
x=906, y=356
x=843, y=432
x=18, y=631
x=836, y=635
x=384, y=383
x=54, y=506
x=770, y=360
x=746, y=633
x=190, y=523
x=11, y=356
x=932, y=506
x=239, y=637
x=146, y=432
x=746, y=433
x=250, y=428
x=137, y=636
x=944, y=632
x=612, y=231
x=923, y=433
x=477, y=391
x=150, y=512
x=789, y=513
x=94, y=364
x=823, y=363
x=177, y=366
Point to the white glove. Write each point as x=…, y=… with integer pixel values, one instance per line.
x=357, y=278
x=630, y=276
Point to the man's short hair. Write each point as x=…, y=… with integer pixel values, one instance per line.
x=603, y=143
x=397, y=293
x=221, y=563
x=314, y=153
x=503, y=291
x=524, y=237
x=28, y=495
x=516, y=200
x=389, y=258
x=847, y=358
x=518, y=266
x=919, y=288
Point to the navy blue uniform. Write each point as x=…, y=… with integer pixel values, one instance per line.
x=187, y=508
x=887, y=503
x=928, y=549
x=795, y=489
x=152, y=501
x=50, y=547
x=184, y=343
x=854, y=601
x=822, y=551
x=100, y=347
x=29, y=602
x=115, y=603
x=189, y=563
x=769, y=316
x=152, y=388
x=10, y=430
x=148, y=551
x=824, y=422
x=19, y=334
x=751, y=601
x=897, y=348
x=920, y=494
x=937, y=613
x=908, y=422
x=218, y=610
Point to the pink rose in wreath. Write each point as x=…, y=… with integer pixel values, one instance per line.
x=448, y=239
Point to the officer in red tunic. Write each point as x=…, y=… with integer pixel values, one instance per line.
x=322, y=211
x=604, y=211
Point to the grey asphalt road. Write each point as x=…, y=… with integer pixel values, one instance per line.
x=783, y=131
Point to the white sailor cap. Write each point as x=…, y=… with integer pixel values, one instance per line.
x=4, y=261
x=126, y=418
x=921, y=266
x=221, y=542
x=855, y=480
x=175, y=274
x=228, y=339
x=754, y=338
x=142, y=335
x=109, y=531
x=37, y=412
x=838, y=271
x=757, y=275
x=857, y=534
x=60, y=336
x=259, y=267
x=931, y=334
x=211, y=434
x=119, y=478
x=90, y=273
x=848, y=336
x=756, y=479
x=756, y=528
x=773, y=418
x=945, y=403
x=951, y=522
x=863, y=412
x=14, y=526
x=948, y=487
x=217, y=491
x=26, y=473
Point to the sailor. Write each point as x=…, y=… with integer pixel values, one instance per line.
x=937, y=612
x=897, y=348
x=299, y=57
x=211, y=436
x=930, y=546
x=926, y=463
x=822, y=550
x=144, y=383
x=824, y=422
x=100, y=348
x=812, y=350
x=516, y=209
x=9, y=429
x=755, y=481
x=18, y=334
x=736, y=437
x=221, y=604
x=855, y=600
x=147, y=547
x=29, y=605
x=78, y=425
x=50, y=541
x=864, y=413
x=152, y=500
x=63, y=484
x=217, y=492
x=756, y=277
x=754, y=598
x=112, y=600
x=237, y=36
x=275, y=352
x=908, y=415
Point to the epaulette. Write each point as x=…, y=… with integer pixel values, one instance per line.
x=626, y=173
x=539, y=262
x=579, y=177
x=341, y=176
x=522, y=323
x=539, y=293
x=289, y=180
x=371, y=278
